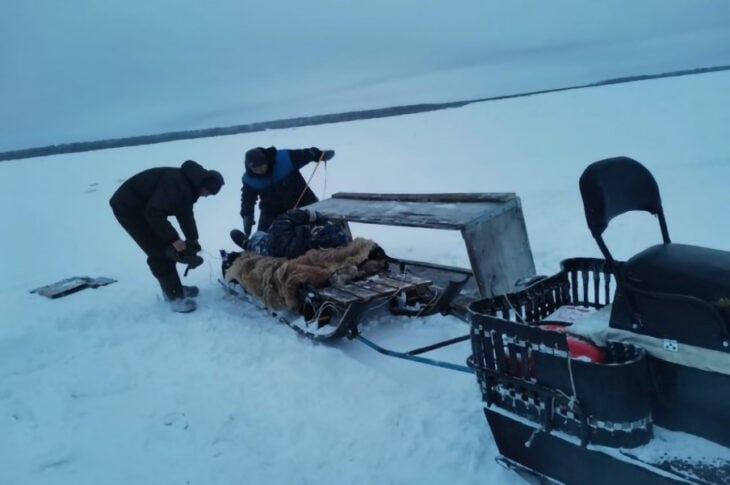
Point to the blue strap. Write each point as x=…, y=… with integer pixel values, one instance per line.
x=415, y=358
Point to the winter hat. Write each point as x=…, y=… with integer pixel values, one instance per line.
x=328, y=235
x=255, y=158
x=213, y=182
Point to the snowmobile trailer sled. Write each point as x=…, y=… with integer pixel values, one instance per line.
x=609, y=371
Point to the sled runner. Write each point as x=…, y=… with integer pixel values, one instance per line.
x=645, y=398
x=334, y=311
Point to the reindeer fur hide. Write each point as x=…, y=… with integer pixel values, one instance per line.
x=277, y=281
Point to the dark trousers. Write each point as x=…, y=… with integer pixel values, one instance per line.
x=272, y=211
x=265, y=220
x=162, y=267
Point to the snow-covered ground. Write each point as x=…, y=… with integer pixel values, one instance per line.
x=86, y=70
x=109, y=386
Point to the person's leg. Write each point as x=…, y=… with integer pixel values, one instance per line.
x=259, y=243
x=164, y=270
x=139, y=230
x=172, y=288
x=265, y=220
x=239, y=238
x=162, y=267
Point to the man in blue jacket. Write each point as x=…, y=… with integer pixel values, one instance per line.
x=272, y=177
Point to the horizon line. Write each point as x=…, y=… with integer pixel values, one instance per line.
x=76, y=147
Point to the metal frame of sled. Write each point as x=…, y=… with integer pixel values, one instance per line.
x=492, y=225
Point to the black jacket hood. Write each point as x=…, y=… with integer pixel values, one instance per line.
x=195, y=173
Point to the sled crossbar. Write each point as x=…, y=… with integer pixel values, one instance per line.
x=429, y=348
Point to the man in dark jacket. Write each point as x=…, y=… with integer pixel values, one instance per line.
x=142, y=205
x=294, y=233
x=273, y=177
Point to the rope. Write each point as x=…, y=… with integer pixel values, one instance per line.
x=401, y=278
x=391, y=297
x=529, y=441
x=318, y=314
x=514, y=310
x=428, y=305
x=324, y=189
x=208, y=257
x=306, y=184
x=572, y=399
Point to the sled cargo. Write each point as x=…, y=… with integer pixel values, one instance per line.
x=608, y=371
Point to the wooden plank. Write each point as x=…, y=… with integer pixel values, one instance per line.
x=340, y=296
x=446, y=197
x=371, y=285
x=438, y=211
x=415, y=280
x=362, y=293
x=393, y=283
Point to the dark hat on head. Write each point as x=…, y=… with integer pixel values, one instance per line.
x=213, y=182
x=255, y=158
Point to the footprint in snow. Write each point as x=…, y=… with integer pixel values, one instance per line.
x=177, y=420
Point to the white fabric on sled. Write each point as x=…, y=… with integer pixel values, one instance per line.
x=593, y=325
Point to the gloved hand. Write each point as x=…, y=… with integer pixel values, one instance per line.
x=313, y=215
x=192, y=260
x=179, y=245
x=193, y=246
x=247, y=225
x=327, y=155
x=188, y=257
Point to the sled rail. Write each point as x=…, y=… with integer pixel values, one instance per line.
x=491, y=224
x=437, y=211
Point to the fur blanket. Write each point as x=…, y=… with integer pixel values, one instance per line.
x=277, y=281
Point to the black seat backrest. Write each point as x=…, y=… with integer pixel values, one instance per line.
x=614, y=186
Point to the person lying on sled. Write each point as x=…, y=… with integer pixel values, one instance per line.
x=294, y=233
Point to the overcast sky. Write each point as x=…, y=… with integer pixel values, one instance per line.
x=87, y=70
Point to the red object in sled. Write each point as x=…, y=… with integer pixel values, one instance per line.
x=579, y=348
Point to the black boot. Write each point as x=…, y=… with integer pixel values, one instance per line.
x=240, y=238
x=190, y=291
x=173, y=292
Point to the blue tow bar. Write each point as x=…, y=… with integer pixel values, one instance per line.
x=423, y=360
